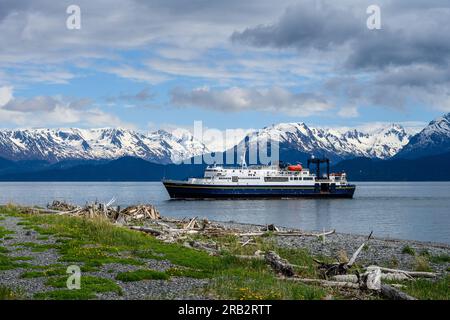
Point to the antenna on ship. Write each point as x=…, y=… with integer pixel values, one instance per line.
x=243, y=162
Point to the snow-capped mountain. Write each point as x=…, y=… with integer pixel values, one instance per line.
x=163, y=147
x=334, y=143
x=433, y=139
x=63, y=144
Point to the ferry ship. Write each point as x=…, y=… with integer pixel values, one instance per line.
x=276, y=181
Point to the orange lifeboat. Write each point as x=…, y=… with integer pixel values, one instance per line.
x=297, y=167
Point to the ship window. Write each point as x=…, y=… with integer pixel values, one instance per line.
x=276, y=179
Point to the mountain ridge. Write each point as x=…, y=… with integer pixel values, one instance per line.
x=163, y=147
x=431, y=140
x=55, y=145
x=299, y=140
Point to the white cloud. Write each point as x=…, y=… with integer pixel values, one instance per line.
x=6, y=94
x=46, y=111
x=348, y=112
x=134, y=74
x=273, y=100
x=173, y=38
x=34, y=32
x=61, y=116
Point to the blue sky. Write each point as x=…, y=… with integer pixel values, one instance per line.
x=165, y=64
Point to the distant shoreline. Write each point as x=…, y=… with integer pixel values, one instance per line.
x=127, y=169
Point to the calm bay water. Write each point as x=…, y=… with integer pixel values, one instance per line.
x=410, y=210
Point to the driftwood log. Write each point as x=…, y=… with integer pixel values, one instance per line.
x=279, y=264
x=384, y=276
x=246, y=257
x=371, y=279
x=387, y=291
x=211, y=248
x=333, y=269
x=356, y=253
x=392, y=293
x=414, y=274
x=246, y=242
x=325, y=283
x=97, y=209
x=151, y=231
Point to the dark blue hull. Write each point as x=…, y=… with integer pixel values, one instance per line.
x=182, y=190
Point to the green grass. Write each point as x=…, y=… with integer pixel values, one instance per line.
x=111, y=240
x=428, y=289
x=142, y=274
x=8, y=263
x=422, y=264
x=408, y=250
x=37, y=247
x=76, y=251
x=7, y=293
x=189, y=273
x=302, y=257
x=262, y=286
x=425, y=253
x=65, y=295
x=440, y=259
x=46, y=273
x=4, y=232
x=90, y=286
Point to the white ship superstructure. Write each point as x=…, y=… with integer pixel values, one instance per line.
x=263, y=175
